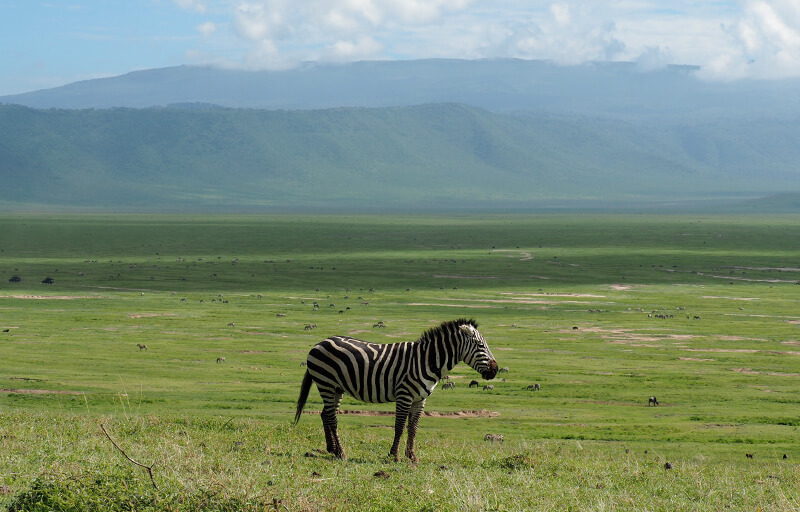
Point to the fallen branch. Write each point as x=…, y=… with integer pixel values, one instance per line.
x=148, y=468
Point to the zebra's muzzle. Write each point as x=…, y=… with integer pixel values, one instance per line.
x=491, y=372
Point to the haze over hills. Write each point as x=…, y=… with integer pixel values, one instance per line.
x=623, y=89
x=432, y=134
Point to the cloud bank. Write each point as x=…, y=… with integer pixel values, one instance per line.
x=729, y=40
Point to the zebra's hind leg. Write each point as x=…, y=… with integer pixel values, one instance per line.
x=330, y=422
x=413, y=421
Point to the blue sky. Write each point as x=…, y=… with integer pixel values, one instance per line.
x=51, y=43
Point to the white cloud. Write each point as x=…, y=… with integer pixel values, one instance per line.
x=567, y=33
x=207, y=28
x=763, y=42
x=193, y=5
x=330, y=29
x=728, y=38
x=365, y=47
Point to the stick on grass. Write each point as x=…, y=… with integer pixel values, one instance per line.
x=148, y=468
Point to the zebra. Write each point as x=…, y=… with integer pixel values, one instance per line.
x=405, y=373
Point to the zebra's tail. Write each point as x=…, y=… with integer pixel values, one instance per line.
x=301, y=402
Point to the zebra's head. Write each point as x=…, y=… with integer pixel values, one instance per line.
x=476, y=352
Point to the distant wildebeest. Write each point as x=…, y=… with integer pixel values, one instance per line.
x=533, y=387
x=308, y=327
x=475, y=383
x=48, y=280
x=503, y=370
x=493, y=438
x=652, y=401
x=141, y=346
x=280, y=315
x=748, y=455
x=220, y=360
x=15, y=279
x=449, y=385
x=341, y=364
x=488, y=387
x=303, y=363
x=231, y=324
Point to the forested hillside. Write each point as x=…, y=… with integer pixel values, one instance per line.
x=430, y=156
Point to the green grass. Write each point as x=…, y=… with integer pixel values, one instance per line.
x=569, y=302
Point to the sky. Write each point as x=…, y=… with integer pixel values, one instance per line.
x=51, y=43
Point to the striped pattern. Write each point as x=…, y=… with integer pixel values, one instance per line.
x=405, y=373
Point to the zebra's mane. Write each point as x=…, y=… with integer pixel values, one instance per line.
x=447, y=326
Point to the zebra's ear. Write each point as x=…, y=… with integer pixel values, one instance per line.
x=467, y=329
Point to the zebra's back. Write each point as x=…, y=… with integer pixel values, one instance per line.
x=370, y=372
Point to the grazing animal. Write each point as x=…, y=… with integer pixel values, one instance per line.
x=405, y=373
x=503, y=370
x=449, y=385
x=493, y=438
x=475, y=383
x=488, y=387
x=748, y=455
x=533, y=387
x=231, y=324
x=141, y=347
x=652, y=401
x=220, y=360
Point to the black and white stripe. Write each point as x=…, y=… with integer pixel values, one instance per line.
x=405, y=373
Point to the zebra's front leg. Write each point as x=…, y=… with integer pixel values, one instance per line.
x=401, y=415
x=413, y=421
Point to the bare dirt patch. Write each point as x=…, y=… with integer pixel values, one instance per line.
x=554, y=294
x=54, y=297
x=452, y=305
x=149, y=315
x=442, y=276
x=621, y=287
x=748, y=371
x=39, y=392
x=481, y=413
x=523, y=255
x=729, y=298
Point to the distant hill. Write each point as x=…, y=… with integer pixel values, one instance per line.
x=434, y=156
x=500, y=85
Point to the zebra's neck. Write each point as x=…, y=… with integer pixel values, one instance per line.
x=441, y=353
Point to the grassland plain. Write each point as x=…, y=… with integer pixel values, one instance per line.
x=601, y=311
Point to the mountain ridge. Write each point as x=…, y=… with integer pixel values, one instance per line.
x=428, y=156
x=499, y=85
